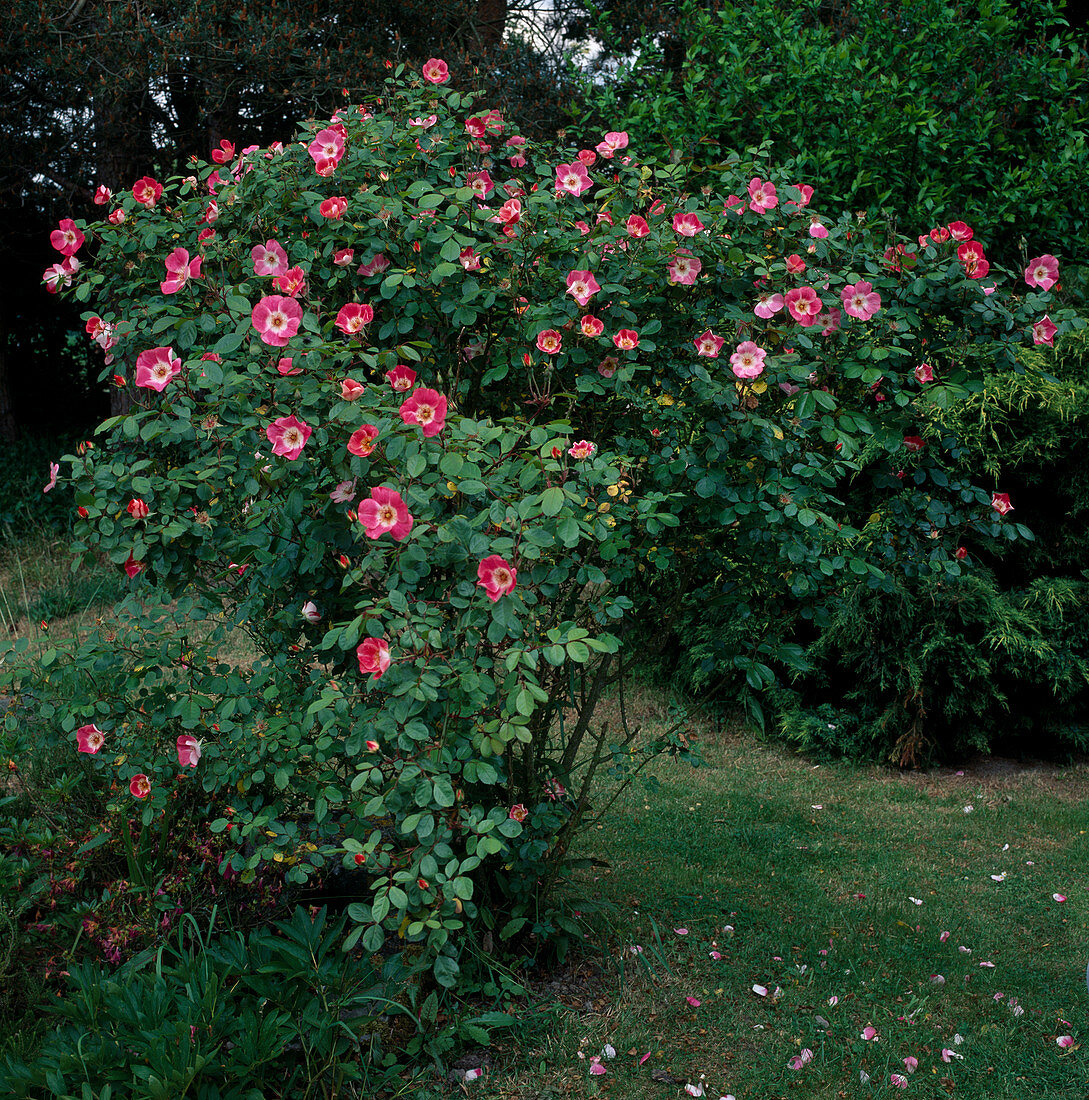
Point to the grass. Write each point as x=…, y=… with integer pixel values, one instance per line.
x=833, y=885
x=40, y=595
x=830, y=886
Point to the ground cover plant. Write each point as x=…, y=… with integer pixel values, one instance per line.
x=430, y=438
x=830, y=930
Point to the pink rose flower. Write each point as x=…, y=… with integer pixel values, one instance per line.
x=146, y=191
x=1043, y=272
x=66, y=238
x=924, y=372
x=375, y=266
x=582, y=286
x=276, y=319
x=591, y=325
x=748, y=361
x=1000, y=502
x=179, y=270
x=292, y=282
x=496, y=576
x=353, y=318
x=1043, y=331
x=795, y=265
x=90, y=739
x=288, y=436
x=583, y=448
x=832, y=321
x=518, y=813
x=861, y=300
x=341, y=493
x=572, y=178
x=351, y=390
x=708, y=344
x=363, y=439
x=971, y=256
x=373, y=656
x=549, y=341
x=469, y=259
x=269, y=258
x=334, y=208
x=683, y=268
x=401, y=378
x=612, y=143
x=137, y=508
x=156, y=368
x=435, y=70
x=637, y=226
x=767, y=305
x=762, y=195
x=480, y=183
x=427, y=409
x=383, y=511
x=188, y=751
x=140, y=786
x=627, y=339
x=687, y=225
x=804, y=304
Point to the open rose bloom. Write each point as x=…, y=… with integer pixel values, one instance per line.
x=384, y=511
x=276, y=319
x=496, y=576
x=156, y=368
x=427, y=408
x=90, y=738
x=288, y=436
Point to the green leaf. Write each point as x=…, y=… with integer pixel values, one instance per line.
x=552, y=500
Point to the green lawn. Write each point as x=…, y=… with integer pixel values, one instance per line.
x=831, y=887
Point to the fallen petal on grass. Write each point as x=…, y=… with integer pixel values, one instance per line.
x=1058, y=897
x=869, y=1033
x=695, y=1002
x=1065, y=1041
x=760, y=990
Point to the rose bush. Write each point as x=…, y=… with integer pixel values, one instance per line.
x=353, y=431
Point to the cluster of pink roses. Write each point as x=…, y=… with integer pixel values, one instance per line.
x=90, y=739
